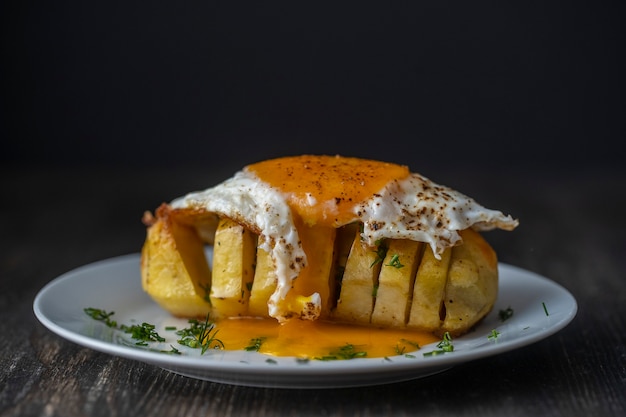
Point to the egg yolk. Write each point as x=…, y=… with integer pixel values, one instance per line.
x=326, y=189
x=323, y=192
x=319, y=339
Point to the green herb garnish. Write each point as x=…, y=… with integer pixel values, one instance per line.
x=395, y=261
x=207, y=292
x=172, y=351
x=200, y=335
x=144, y=333
x=545, y=309
x=101, y=315
x=348, y=351
x=400, y=348
x=493, y=335
x=411, y=343
x=444, y=346
x=505, y=314
x=255, y=344
x=381, y=252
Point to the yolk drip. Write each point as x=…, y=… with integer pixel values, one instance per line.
x=323, y=192
x=318, y=244
x=325, y=189
x=319, y=339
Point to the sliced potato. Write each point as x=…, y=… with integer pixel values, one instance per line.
x=395, y=283
x=472, y=283
x=428, y=291
x=234, y=256
x=359, y=281
x=410, y=287
x=174, y=268
x=343, y=245
x=264, y=283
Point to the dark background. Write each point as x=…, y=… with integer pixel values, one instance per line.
x=500, y=85
x=108, y=109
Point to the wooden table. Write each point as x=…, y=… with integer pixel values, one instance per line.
x=572, y=231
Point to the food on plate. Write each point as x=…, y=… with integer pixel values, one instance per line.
x=325, y=239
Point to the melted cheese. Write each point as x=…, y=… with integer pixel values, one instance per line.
x=281, y=198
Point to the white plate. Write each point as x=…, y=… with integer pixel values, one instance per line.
x=115, y=285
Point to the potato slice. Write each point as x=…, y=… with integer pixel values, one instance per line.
x=360, y=279
x=395, y=283
x=343, y=245
x=486, y=260
x=234, y=256
x=174, y=268
x=429, y=290
x=472, y=283
x=264, y=283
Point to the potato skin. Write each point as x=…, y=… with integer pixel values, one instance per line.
x=234, y=261
x=426, y=294
x=472, y=286
x=174, y=268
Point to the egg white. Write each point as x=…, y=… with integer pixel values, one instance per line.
x=411, y=208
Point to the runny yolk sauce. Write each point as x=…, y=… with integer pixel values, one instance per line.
x=323, y=192
x=318, y=339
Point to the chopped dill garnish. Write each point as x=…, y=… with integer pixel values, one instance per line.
x=504, y=315
x=381, y=252
x=172, y=351
x=101, y=315
x=197, y=335
x=143, y=332
x=444, y=346
x=200, y=335
x=493, y=335
x=401, y=347
x=348, y=351
x=545, y=309
x=395, y=261
x=411, y=343
x=207, y=292
x=255, y=344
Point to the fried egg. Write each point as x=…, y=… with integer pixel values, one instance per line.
x=277, y=197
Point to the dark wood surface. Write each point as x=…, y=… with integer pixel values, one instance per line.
x=571, y=230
